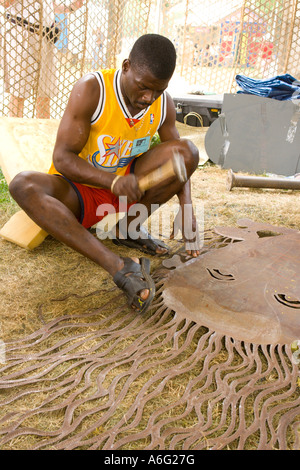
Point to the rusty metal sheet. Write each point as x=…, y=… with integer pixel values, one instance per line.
x=248, y=289
x=103, y=380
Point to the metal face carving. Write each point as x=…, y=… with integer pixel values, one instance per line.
x=248, y=289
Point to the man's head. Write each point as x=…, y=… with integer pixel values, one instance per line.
x=147, y=71
x=155, y=53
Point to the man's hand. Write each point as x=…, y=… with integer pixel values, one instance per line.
x=186, y=222
x=128, y=186
x=191, y=237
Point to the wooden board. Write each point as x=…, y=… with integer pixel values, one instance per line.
x=22, y=231
x=26, y=144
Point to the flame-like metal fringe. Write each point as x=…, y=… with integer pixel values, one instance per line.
x=122, y=381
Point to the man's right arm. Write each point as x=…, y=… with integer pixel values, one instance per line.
x=72, y=135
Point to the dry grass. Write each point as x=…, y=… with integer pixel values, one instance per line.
x=31, y=280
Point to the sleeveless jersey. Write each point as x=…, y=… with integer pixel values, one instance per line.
x=116, y=138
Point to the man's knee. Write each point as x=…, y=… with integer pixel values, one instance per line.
x=21, y=185
x=191, y=155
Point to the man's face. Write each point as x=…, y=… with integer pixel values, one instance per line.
x=140, y=87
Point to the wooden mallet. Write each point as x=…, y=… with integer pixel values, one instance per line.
x=173, y=167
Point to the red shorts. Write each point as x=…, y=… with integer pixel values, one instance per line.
x=96, y=203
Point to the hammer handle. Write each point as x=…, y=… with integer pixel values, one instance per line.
x=157, y=176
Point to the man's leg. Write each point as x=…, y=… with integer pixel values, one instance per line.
x=155, y=158
x=164, y=191
x=53, y=204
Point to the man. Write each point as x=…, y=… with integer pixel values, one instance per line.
x=101, y=152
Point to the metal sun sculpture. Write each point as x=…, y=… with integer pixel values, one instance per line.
x=249, y=289
x=210, y=366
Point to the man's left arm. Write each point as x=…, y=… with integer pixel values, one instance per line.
x=168, y=131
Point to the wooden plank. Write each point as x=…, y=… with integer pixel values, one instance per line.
x=22, y=231
x=26, y=144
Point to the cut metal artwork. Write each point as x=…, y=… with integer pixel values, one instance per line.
x=249, y=290
x=210, y=366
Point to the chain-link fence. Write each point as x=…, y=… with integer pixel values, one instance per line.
x=47, y=45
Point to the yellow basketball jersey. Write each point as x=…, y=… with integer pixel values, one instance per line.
x=116, y=138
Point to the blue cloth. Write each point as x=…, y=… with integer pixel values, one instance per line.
x=281, y=87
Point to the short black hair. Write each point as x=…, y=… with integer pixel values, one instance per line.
x=156, y=53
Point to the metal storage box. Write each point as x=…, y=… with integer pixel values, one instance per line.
x=208, y=106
